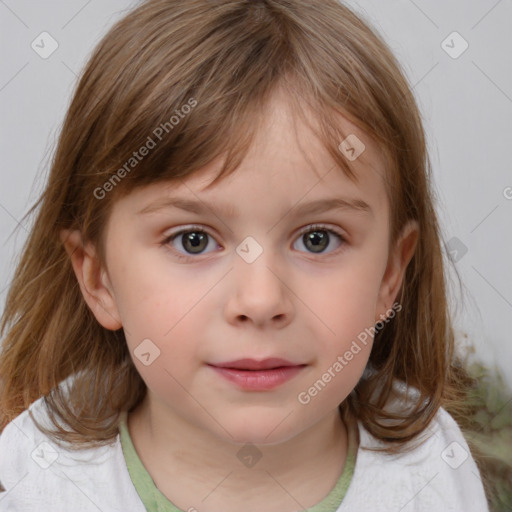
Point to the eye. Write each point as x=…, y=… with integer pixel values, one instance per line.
x=317, y=237
x=189, y=242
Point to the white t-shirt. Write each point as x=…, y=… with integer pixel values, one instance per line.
x=38, y=475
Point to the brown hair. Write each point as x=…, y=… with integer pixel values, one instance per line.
x=224, y=59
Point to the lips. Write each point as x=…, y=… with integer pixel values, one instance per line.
x=254, y=375
x=253, y=364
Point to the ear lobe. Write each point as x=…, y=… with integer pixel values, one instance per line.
x=399, y=258
x=92, y=279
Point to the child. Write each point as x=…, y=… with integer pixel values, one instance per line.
x=298, y=354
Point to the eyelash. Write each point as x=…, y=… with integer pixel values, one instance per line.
x=198, y=229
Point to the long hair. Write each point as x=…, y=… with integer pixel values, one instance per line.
x=189, y=81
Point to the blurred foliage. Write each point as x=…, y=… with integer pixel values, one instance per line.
x=489, y=433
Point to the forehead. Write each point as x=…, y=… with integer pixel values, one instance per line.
x=288, y=162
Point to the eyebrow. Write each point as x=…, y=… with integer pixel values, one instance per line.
x=229, y=211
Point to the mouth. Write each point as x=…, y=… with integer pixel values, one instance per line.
x=255, y=365
x=254, y=375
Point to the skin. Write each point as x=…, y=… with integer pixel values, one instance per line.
x=290, y=302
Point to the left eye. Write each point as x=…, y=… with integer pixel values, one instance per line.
x=317, y=238
x=195, y=241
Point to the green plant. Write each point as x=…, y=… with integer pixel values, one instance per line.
x=489, y=433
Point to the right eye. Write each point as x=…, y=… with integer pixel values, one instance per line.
x=193, y=241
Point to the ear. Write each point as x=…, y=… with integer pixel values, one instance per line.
x=93, y=279
x=399, y=258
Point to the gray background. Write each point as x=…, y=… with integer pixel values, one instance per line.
x=466, y=104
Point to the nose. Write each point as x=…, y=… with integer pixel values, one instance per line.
x=260, y=294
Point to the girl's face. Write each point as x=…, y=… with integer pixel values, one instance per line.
x=285, y=259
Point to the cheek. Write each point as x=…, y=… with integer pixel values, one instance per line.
x=164, y=347
x=334, y=378
x=345, y=307
x=157, y=310
x=152, y=295
x=345, y=299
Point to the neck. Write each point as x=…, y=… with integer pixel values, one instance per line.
x=194, y=468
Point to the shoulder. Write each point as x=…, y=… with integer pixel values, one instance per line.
x=39, y=474
x=436, y=471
